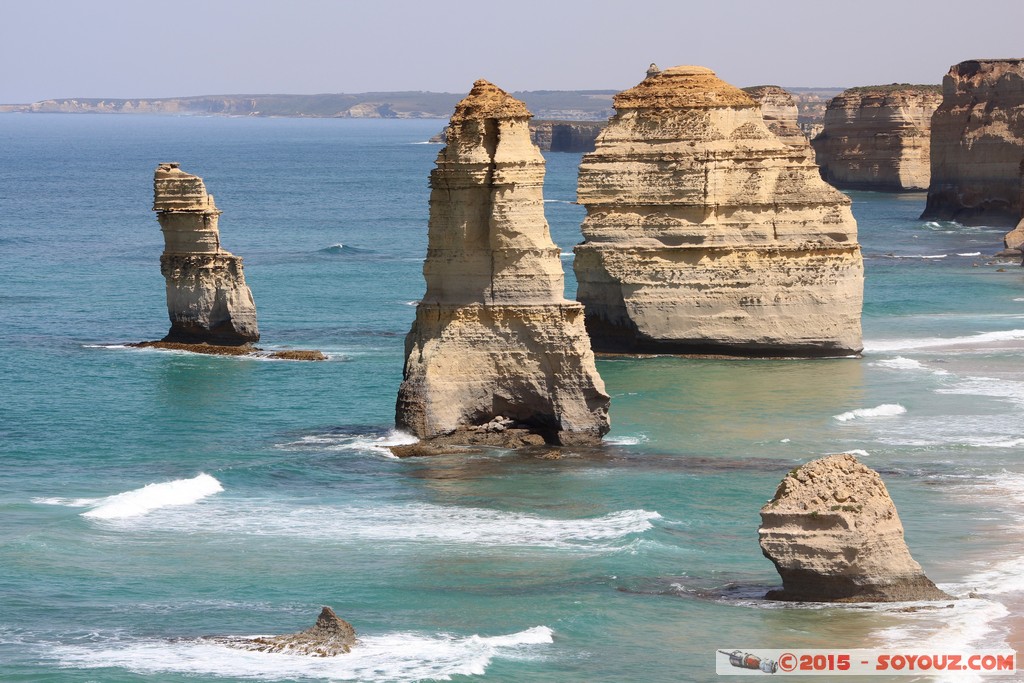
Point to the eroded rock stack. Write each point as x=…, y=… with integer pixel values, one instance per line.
x=878, y=137
x=978, y=144
x=496, y=349
x=833, y=533
x=329, y=637
x=705, y=233
x=780, y=113
x=207, y=298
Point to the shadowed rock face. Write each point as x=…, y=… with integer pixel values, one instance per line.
x=977, y=144
x=707, y=234
x=494, y=336
x=780, y=113
x=878, y=138
x=329, y=637
x=833, y=533
x=207, y=298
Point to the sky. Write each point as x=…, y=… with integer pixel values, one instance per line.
x=142, y=48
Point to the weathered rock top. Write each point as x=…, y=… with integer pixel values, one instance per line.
x=488, y=101
x=683, y=87
x=835, y=484
x=175, y=190
x=983, y=74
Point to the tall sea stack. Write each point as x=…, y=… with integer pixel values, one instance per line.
x=494, y=336
x=207, y=298
x=978, y=144
x=706, y=234
x=780, y=113
x=878, y=137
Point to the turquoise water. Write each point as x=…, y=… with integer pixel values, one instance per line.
x=634, y=561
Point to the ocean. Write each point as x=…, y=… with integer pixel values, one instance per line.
x=152, y=497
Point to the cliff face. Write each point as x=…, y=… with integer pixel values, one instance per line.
x=833, y=533
x=707, y=234
x=780, y=113
x=565, y=136
x=207, y=298
x=978, y=143
x=878, y=138
x=494, y=336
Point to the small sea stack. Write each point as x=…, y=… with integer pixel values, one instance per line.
x=977, y=144
x=833, y=534
x=496, y=355
x=207, y=298
x=780, y=113
x=707, y=234
x=878, y=137
x=329, y=637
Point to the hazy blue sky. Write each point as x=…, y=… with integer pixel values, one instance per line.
x=142, y=48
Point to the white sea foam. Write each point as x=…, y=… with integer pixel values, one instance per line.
x=970, y=253
x=921, y=256
x=1010, y=390
x=389, y=657
x=627, y=440
x=153, y=497
x=375, y=443
x=884, y=410
x=1020, y=298
x=105, y=346
x=901, y=363
x=929, y=342
x=854, y=451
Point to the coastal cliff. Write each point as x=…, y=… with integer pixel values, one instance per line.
x=707, y=234
x=558, y=136
x=878, y=137
x=496, y=354
x=977, y=144
x=207, y=299
x=780, y=113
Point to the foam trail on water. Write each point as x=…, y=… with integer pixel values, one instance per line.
x=884, y=410
x=901, y=363
x=882, y=346
x=376, y=443
x=388, y=657
x=155, y=496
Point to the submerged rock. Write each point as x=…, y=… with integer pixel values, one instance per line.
x=207, y=298
x=707, y=234
x=977, y=144
x=329, y=637
x=494, y=335
x=833, y=534
x=878, y=137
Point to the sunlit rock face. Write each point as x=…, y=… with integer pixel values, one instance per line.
x=705, y=233
x=496, y=350
x=207, y=298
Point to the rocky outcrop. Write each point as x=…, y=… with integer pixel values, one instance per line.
x=207, y=298
x=878, y=137
x=494, y=335
x=780, y=113
x=978, y=144
x=833, y=533
x=1015, y=238
x=707, y=234
x=329, y=637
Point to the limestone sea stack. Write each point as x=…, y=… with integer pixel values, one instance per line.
x=833, y=533
x=207, y=298
x=978, y=144
x=328, y=637
x=496, y=350
x=780, y=113
x=707, y=234
x=878, y=137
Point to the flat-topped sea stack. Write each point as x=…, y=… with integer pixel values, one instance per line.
x=497, y=355
x=207, y=298
x=780, y=113
x=978, y=144
x=833, y=533
x=707, y=234
x=878, y=137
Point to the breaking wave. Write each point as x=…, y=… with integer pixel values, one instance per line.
x=145, y=500
x=884, y=410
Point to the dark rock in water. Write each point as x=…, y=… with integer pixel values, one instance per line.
x=330, y=636
x=501, y=432
x=241, y=350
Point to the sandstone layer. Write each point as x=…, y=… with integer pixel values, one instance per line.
x=207, y=298
x=707, y=234
x=565, y=136
x=494, y=336
x=878, y=137
x=833, y=533
x=780, y=113
x=329, y=637
x=977, y=144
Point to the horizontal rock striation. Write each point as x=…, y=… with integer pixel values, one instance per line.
x=706, y=234
x=878, y=138
x=207, y=298
x=977, y=144
x=565, y=136
x=780, y=113
x=494, y=341
x=833, y=533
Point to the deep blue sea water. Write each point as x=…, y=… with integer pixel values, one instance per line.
x=635, y=561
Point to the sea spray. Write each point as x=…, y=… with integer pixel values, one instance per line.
x=884, y=410
x=155, y=496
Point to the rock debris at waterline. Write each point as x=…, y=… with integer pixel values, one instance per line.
x=330, y=636
x=707, y=234
x=833, y=534
x=496, y=355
